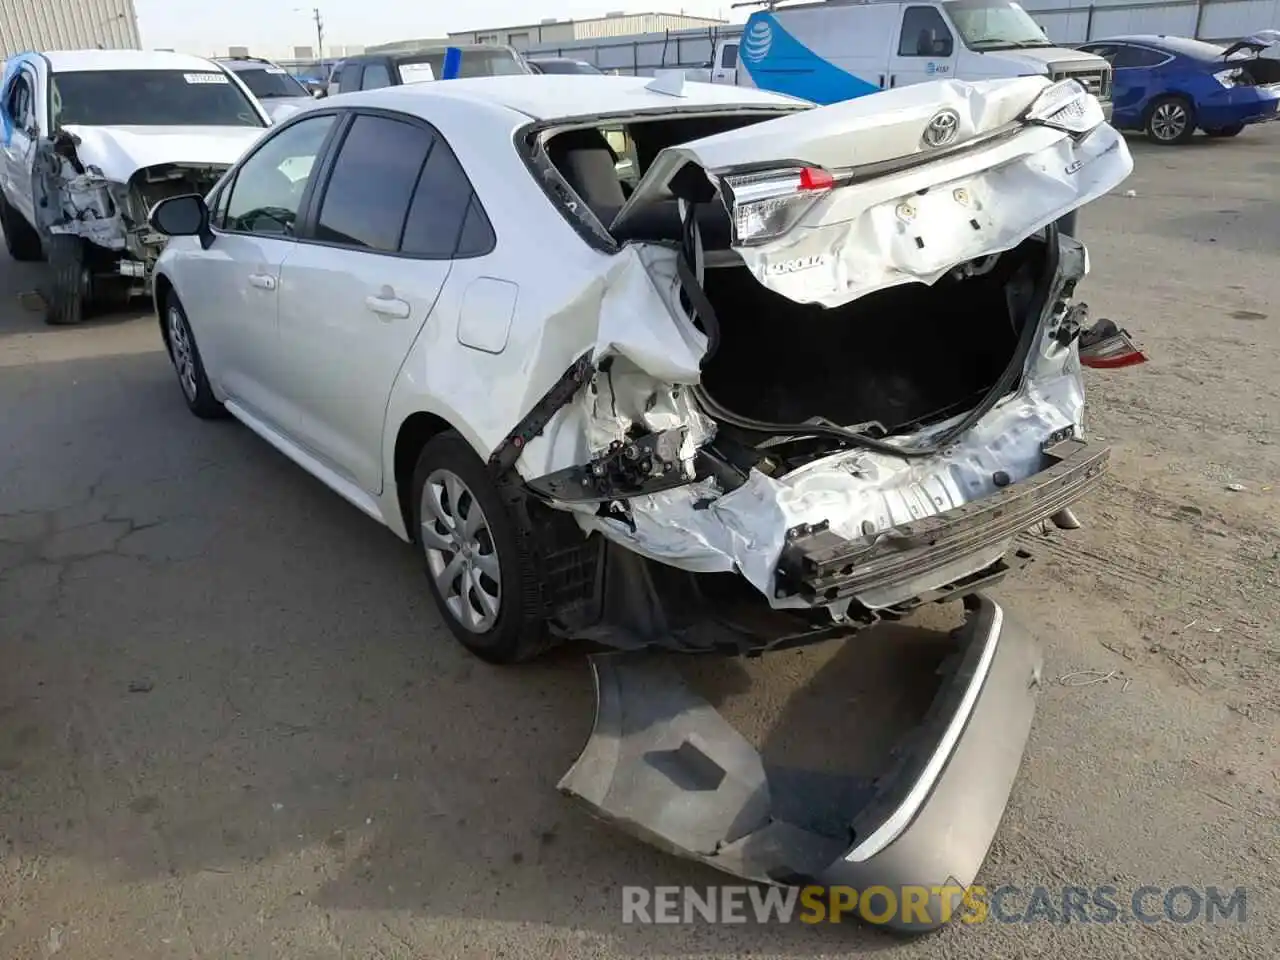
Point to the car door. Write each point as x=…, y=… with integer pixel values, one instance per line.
x=230, y=291
x=1135, y=81
x=355, y=296
x=725, y=69
x=926, y=48
x=23, y=123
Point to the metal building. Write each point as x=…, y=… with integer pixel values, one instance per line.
x=562, y=31
x=67, y=25
x=1075, y=21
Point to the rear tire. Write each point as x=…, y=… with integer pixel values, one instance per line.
x=187, y=364
x=69, y=285
x=1231, y=131
x=485, y=584
x=19, y=236
x=1171, y=121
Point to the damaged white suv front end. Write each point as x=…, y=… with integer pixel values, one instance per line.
x=93, y=140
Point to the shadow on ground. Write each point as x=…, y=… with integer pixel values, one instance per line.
x=217, y=671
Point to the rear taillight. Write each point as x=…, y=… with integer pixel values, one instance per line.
x=1104, y=346
x=764, y=206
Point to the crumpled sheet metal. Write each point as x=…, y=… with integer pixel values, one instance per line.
x=701, y=529
x=885, y=233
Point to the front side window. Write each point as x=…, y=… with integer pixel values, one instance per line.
x=152, y=98
x=924, y=34
x=995, y=25
x=18, y=102
x=271, y=83
x=349, y=79
x=268, y=190
x=376, y=76
x=729, y=56
x=367, y=199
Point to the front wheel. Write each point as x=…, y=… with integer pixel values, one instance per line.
x=187, y=363
x=485, y=584
x=1231, y=131
x=68, y=289
x=1171, y=121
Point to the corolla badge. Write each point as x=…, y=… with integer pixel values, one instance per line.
x=942, y=129
x=756, y=44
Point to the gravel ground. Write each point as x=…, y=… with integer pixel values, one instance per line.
x=232, y=725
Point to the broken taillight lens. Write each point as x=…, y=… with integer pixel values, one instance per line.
x=764, y=206
x=1106, y=347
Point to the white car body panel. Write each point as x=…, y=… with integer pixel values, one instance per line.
x=339, y=382
x=120, y=152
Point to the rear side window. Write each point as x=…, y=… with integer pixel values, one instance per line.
x=372, y=184
x=1137, y=57
x=446, y=219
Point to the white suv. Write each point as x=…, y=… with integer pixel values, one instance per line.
x=92, y=140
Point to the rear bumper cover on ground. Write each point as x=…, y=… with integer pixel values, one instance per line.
x=662, y=764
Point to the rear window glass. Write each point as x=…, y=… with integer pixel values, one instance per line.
x=475, y=63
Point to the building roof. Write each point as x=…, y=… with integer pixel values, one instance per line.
x=692, y=20
x=555, y=96
x=70, y=61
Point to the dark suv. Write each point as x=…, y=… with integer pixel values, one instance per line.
x=372, y=70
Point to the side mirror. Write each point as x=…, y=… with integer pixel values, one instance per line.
x=184, y=216
x=319, y=93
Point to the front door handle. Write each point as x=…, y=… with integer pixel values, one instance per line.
x=389, y=307
x=263, y=280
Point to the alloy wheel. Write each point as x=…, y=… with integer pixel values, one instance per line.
x=1169, y=121
x=181, y=352
x=460, y=551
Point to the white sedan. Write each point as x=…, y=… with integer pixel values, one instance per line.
x=796, y=334
x=694, y=367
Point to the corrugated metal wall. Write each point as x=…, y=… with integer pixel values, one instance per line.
x=1075, y=21
x=67, y=25
x=626, y=26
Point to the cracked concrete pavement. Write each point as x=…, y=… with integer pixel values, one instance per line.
x=232, y=725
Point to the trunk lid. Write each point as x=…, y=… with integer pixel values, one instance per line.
x=1254, y=43
x=868, y=178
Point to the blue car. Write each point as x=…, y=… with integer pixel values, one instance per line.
x=1172, y=86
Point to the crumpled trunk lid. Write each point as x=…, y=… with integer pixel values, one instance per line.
x=906, y=184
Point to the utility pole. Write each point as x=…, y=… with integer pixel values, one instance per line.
x=315, y=14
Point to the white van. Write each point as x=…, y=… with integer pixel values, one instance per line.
x=837, y=50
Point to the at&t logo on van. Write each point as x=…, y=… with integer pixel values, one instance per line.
x=756, y=44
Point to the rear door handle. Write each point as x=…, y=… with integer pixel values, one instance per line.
x=389, y=307
x=262, y=280
x=893, y=80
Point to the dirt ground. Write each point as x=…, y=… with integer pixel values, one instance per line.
x=231, y=724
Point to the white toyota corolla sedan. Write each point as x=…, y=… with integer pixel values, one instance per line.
x=663, y=364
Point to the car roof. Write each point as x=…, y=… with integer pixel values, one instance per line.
x=427, y=49
x=560, y=96
x=1183, y=46
x=69, y=61
x=243, y=63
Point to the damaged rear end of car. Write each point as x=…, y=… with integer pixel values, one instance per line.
x=837, y=371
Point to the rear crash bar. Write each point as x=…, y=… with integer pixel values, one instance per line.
x=823, y=566
x=663, y=765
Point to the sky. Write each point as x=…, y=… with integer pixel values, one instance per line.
x=197, y=24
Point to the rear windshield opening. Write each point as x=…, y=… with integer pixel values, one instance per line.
x=604, y=163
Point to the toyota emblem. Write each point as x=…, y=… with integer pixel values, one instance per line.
x=942, y=129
